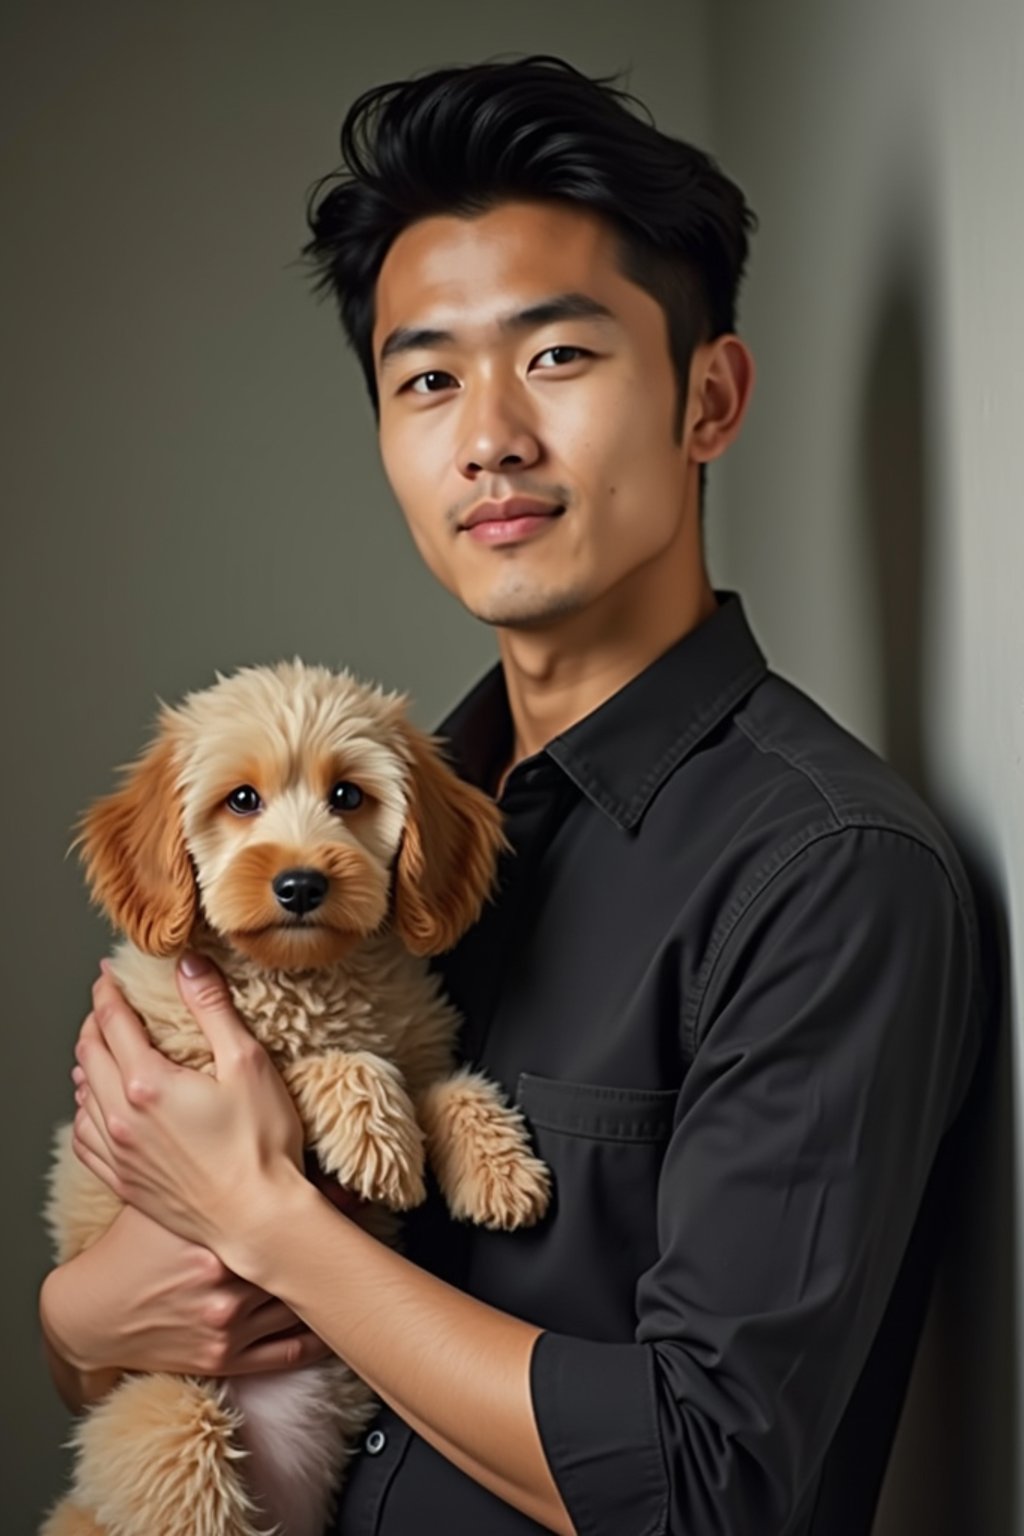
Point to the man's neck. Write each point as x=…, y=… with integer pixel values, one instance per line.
x=558, y=675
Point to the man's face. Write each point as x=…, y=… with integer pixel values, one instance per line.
x=576, y=413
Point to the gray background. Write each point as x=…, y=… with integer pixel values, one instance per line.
x=191, y=482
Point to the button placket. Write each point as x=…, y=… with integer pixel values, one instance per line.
x=380, y=1453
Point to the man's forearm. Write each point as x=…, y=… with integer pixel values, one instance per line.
x=454, y=1368
x=77, y=1389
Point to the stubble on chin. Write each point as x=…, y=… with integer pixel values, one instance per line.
x=523, y=606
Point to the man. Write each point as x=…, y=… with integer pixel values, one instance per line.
x=732, y=975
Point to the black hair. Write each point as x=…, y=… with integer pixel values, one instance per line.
x=462, y=139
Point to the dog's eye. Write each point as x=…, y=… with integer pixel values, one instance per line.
x=244, y=800
x=345, y=796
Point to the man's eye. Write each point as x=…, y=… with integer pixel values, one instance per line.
x=244, y=801
x=345, y=796
x=434, y=373
x=581, y=351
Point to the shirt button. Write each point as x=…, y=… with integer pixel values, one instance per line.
x=376, y=1440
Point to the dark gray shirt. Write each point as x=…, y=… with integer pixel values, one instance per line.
x=732, y=978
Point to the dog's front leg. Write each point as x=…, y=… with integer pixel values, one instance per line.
x=480, y=1150
x=360, y=1121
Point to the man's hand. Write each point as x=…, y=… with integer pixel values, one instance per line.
x=143, y=1299
x=198, y=1154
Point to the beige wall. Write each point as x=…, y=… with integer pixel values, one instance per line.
x=871, y=514
x=190, y=471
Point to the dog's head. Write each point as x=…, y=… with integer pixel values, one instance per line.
x=293, y=811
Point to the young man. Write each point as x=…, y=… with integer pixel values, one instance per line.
x=732, y=975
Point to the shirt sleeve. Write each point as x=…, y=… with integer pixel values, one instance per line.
x=836, y=1034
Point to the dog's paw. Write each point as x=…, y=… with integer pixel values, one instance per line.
x=372, y=1143
x=480, y=1150
x=510, y=1191
x=397, y=1179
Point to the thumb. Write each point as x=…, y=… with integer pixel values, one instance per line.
x=205, y=994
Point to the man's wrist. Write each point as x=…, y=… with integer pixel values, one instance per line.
x=253, y=1250
x=49, y=1323
x=77, y=1382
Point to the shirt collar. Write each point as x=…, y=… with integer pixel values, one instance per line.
x=622, y=752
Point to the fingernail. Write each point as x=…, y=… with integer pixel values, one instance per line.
x=105, y=967
x=193, y=965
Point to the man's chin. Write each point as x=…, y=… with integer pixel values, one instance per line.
x=524, y=610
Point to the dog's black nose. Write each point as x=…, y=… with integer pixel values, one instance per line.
x=300, y=890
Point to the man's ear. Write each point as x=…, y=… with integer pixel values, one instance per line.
x=721, y=382
x=133, y=848
x=448, y=858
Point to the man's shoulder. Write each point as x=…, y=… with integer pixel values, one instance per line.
x=812, y=777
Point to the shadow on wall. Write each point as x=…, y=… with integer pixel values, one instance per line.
x=952, y=1468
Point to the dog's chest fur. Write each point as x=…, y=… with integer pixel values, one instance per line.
x=370, y=1001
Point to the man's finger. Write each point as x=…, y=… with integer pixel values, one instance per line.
x=96, y=1164
x=267, y=1321
x=103, y=1080
x=284, y=1354
x=89, y=1132
x=205, y=994
x=88, y=1110
x=123, y=1032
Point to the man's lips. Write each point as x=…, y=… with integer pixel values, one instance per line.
x=509, y=522
x=510, y=510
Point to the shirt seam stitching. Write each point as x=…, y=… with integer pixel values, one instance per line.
x=815, y=777
x=537, y=1084
x=613, y=1133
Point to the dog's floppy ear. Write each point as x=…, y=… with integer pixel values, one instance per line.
x=133, y=849
x=448, y=858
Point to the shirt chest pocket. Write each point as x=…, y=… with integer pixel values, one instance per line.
x=604, y=1146
x=600, y=1113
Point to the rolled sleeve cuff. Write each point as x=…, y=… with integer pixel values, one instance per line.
x=596, y=1411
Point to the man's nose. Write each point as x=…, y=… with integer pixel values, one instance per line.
x=300, y=890
x=498, y=437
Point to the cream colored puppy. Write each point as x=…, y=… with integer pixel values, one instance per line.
x=291, y=823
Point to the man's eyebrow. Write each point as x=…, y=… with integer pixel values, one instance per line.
x=562, y=306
